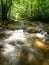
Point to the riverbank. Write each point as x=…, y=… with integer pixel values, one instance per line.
x=23, y=24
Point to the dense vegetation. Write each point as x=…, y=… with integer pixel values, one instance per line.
x=24, y=9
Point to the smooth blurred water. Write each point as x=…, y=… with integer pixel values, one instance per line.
x=19, y=42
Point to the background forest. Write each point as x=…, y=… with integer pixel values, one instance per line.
x=20, y=13
x=24, y=9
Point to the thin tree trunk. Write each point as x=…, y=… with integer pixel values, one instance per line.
x=5, y=9
x=31, y=12
x=38, y=12
x=4, y=13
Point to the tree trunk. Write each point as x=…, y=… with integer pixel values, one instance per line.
x=4, y=13
x=5, y=9
x=31, y=12
x=38, y=12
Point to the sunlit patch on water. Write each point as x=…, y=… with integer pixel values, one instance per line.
x=8, y=49
x=41, y=35
x=17, y=35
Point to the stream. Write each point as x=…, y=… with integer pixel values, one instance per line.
x=19, y=47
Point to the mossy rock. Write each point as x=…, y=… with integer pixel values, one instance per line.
x=31, y=29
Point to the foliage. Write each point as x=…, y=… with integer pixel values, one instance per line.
x=26, y=9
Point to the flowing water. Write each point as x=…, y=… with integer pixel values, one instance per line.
x=18, y=47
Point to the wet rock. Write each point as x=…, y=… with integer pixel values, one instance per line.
x=1, y=28
x=8, y=33
x=31, y=29
x=34, y=30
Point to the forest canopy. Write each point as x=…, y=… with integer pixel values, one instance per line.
x=24, y=9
